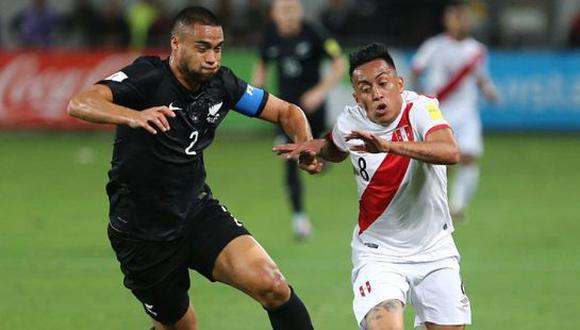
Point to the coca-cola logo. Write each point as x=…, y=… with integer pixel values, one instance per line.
x=39, y=86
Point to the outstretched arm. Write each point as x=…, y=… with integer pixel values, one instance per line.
x=317, y=148
x=488, y=89
x=439, y=146
x=322, y=148
x=259, y=74
x=314, y=97
x=95, y=105
x=293, y=121
x=289, y=116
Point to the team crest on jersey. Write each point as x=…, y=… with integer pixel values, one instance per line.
x=213, y=115
x=404, y=133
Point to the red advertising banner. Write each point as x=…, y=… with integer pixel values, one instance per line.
x=35, y=87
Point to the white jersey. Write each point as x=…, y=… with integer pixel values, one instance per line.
x=453, y=68
x=403, y=210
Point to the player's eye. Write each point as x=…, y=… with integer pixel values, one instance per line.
x=201, y=49
x=365, y=88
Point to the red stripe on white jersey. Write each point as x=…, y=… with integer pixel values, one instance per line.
x=385, y=182
x=459, y=77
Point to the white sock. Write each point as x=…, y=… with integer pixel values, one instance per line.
x=464, y=186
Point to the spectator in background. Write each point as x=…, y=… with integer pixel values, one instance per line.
x=35, y=25
x=114, y=28
x=160, y=30
x=225, y=10
x=247, y=25
x=85, y=23
x=141, y=16
x=335, y=17
x=456, y=70
x=574, y=35
x=298, y=48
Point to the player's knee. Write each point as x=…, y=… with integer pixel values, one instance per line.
x=271, y=288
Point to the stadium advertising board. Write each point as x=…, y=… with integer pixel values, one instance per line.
x=539, y=91
x=35, y=87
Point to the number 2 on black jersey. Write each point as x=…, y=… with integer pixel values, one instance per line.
x=189, y=150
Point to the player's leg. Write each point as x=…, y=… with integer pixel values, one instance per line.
x=466, y=178
x=431, y=326
x=301, y=226
x=379, y=296
x=224, y=251
x=245, y=265
x=439, y=298
x=387, y=315
x=187, y=322
x=158, y=277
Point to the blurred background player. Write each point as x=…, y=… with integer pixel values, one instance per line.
x=455, y=66
x=298, y=48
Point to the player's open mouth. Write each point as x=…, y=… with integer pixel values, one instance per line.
x=381, y=109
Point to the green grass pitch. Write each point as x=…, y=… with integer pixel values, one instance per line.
x=520, y=247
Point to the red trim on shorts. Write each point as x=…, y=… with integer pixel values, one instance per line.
x=386, y=181
x=459, y=77
x=436, y=128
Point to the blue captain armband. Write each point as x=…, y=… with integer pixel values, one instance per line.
x=252, y=101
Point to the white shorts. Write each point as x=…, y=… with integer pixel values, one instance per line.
x=468, y=133
x=434, y=288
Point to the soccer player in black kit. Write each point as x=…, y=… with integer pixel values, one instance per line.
x=298, y=48
x=163, y=218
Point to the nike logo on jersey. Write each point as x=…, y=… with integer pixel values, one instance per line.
x=215, y=108
x=174, y=108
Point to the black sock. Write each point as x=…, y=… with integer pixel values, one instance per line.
x=291, y=316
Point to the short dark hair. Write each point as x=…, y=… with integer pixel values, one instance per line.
x=369, y=53
x=194, y=14
x=455, y=3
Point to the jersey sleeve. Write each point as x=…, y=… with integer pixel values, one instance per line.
x=265, y=54
x=423, y=56
x=133, y=83
x=427, y=117
x=482, y=70
x=339, y=130
x=329, y=46
x=243, y=97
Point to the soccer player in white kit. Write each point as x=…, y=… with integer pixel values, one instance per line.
x=455, y=69
x=402, y=247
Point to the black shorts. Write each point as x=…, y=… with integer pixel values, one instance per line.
x=157, y=272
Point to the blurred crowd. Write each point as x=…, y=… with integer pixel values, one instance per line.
x=141, y=24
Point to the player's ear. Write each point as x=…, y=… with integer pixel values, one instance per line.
x=174, y=42
x=355, y=98
x=400, y=84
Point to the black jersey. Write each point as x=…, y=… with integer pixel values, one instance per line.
x=157, y=182
x=298, y=58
